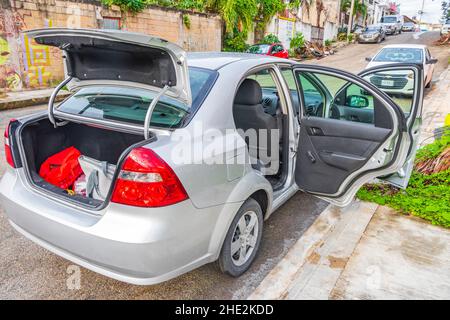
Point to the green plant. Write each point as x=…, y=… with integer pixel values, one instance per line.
x=235, y=42
x=342, y=36
x=328, y=42
x=270, y=38
x=292, y=53
x=350, y=37
x=434, y=149
x=298, y=41
x=427, y=195
x=187, y=21
x=236, y=14
x=266, y=10
x=197, y=5
x=132, y=6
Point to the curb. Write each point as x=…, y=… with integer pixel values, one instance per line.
x=12, y=103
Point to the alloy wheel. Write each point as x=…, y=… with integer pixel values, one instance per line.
x=244, y=238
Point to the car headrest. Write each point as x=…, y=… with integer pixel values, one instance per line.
x=249, y=93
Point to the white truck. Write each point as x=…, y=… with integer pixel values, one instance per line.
x=393, y=24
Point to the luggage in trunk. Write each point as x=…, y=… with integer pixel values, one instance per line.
x=98, y=147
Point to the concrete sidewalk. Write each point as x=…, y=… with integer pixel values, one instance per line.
x=363, y=252
x=28, y=98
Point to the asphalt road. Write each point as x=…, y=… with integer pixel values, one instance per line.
x=30, y=272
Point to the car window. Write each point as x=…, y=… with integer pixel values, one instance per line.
x=259, y=49
x=288, y=76
x=398, y=85
x=407, y=55
x=277, y=48
x=329, y=96
x=129, y=104
x=264, y=78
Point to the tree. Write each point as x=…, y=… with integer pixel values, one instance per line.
x=359, y=10
x=445, y=11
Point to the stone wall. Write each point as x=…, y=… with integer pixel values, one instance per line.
x=25, y=64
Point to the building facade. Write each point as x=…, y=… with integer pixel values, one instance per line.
x=318, y=20
x=25, y=64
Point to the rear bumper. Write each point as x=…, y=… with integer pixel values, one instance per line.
x=135, y=245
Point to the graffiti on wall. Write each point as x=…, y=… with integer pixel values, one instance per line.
x=10, y=72
x=36, y=60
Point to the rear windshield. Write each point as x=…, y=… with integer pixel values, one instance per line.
x=128, y=104
x=407, y=55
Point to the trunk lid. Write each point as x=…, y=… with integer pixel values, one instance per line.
x=94, y=56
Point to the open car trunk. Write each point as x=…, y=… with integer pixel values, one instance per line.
x=41, y=140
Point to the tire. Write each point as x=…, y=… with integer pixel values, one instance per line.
x=239, y=262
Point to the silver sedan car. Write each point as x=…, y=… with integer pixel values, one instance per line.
x=186, y=155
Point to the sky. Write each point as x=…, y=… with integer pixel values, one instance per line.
x=432, y=9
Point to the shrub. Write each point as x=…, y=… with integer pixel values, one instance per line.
x=298, y=41
x=235, y=42
x=350, y=37
x=270, y=38
x=328, y=42
x=342, y=36
x=132, y=6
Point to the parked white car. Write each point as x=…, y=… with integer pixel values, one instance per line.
x=404, y=53
x=445, y=29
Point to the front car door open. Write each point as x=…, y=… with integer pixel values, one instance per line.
x=353, y=129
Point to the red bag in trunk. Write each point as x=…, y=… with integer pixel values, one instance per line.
x=62, y=168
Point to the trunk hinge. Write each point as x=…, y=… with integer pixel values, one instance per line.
x=51, y=101
x=148, y=115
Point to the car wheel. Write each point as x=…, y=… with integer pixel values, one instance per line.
x=242, y=240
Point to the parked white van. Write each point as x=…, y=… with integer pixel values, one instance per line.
x=393, y=24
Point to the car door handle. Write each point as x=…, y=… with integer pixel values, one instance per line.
x=311, y=157
x=314, y=131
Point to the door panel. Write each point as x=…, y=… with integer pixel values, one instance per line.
x=355, y=133
x=331, y=150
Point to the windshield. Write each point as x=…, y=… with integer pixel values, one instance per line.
x=129, y=104
x=259, y=49
x=389, y=19
x=409, y=55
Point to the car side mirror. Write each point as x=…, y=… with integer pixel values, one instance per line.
x=355, y=101
x=432, y=61
x=368, y=59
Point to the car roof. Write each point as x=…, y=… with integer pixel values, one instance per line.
x=217, y=60
x=406, y=45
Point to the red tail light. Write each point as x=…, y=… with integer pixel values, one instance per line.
x=145, y=180
x=8, y=153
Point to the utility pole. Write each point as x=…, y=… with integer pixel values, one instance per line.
x=421, y=12
x=350, y=19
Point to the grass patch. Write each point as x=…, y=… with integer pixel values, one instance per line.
x=427, y=195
